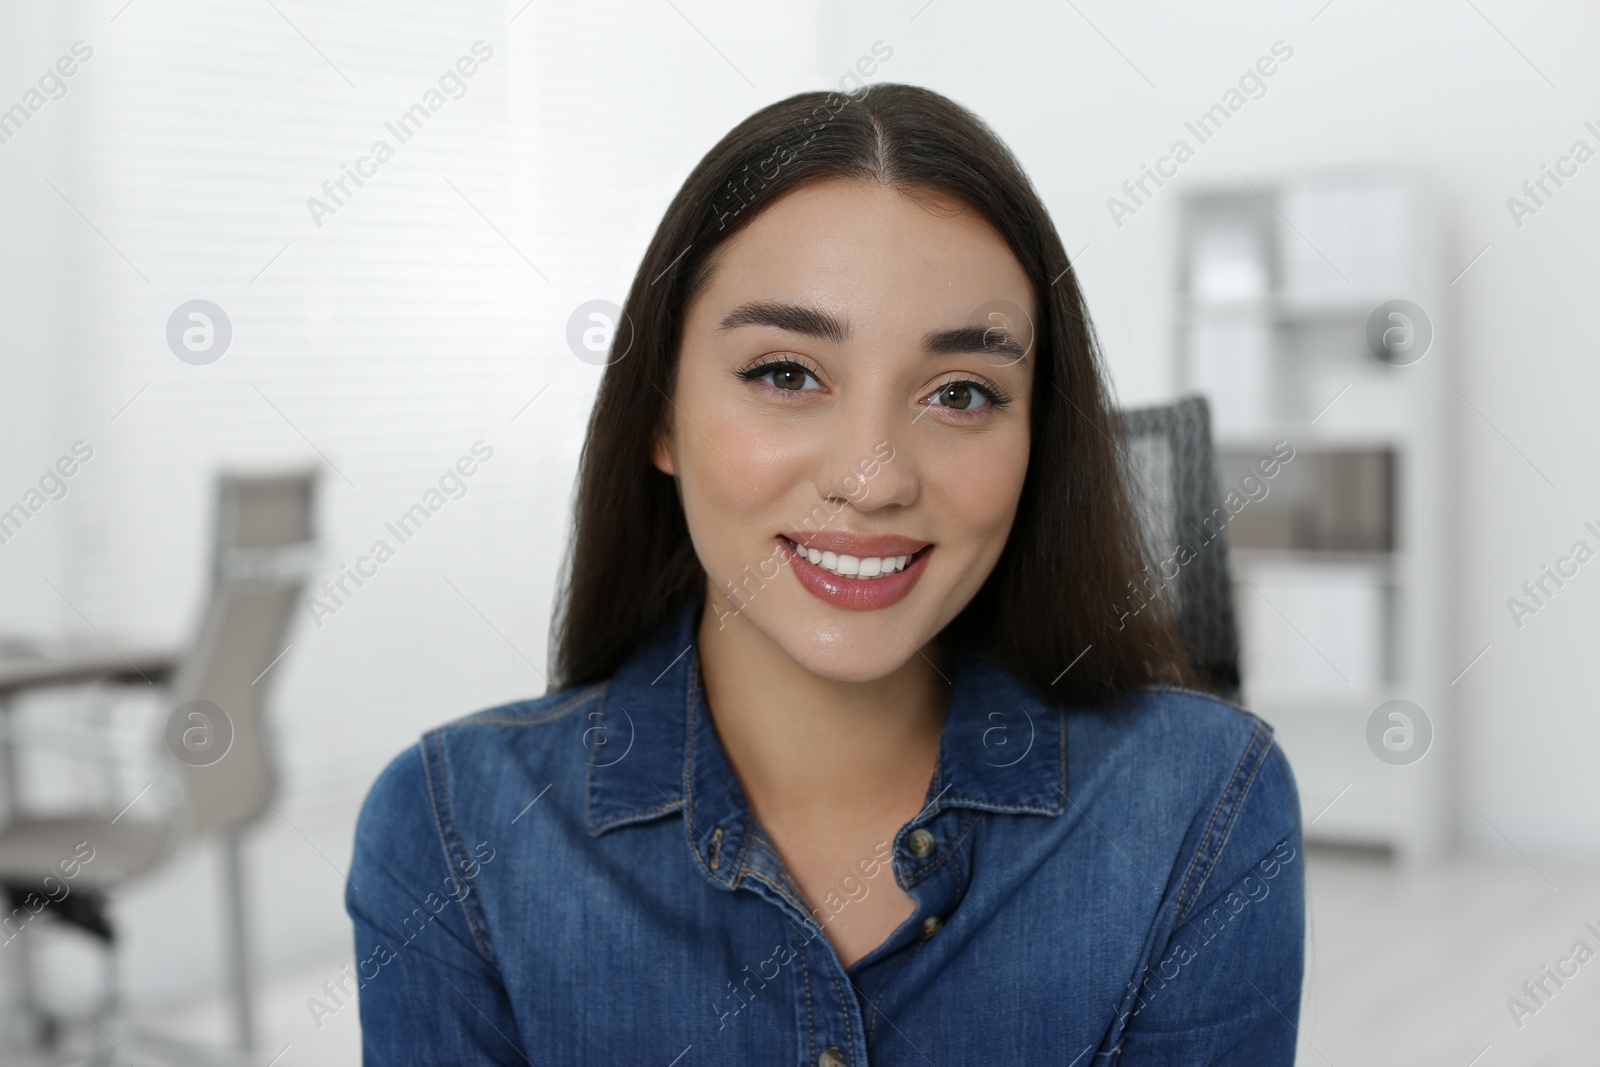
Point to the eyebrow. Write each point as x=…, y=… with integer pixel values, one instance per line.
x=814, y=322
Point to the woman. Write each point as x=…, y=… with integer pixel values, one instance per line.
x=853, y=751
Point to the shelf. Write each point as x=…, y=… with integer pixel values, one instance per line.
x=1301, y=436
x=1247, y=558
x=1274, y=309
x=1280, y=347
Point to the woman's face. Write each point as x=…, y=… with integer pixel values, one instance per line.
x=855, y=378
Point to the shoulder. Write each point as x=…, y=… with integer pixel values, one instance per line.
x=1197, y=742
x=1205, y=774
x=474, y=759
x=535, y=711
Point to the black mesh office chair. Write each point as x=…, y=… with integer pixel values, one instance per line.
x=1174, y=486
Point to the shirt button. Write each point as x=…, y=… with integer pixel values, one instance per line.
x=921, y=842
x=930, y=926
x=831, y=1057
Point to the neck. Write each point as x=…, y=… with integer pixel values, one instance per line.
x=814, y=751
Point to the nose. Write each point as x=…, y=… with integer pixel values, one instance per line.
x=867, y=459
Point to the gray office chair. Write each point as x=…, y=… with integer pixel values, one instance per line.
x=1174, y=485
x=215, y=743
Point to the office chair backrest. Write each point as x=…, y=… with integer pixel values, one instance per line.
x=263, y=554
x=1174, y=486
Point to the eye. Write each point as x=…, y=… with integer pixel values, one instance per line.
x=965, y=395
x=785, y=375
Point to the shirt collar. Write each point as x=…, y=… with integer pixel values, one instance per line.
x=654, y=749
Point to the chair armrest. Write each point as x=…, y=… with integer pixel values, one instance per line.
x=153, y=666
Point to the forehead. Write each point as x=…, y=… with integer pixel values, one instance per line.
x=883, y=260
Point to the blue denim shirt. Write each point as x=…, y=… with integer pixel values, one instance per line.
x=578, y=879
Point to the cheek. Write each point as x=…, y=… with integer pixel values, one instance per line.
x=971, y=485
x=977, y=482
x=734, y=471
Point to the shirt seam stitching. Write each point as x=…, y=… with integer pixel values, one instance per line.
x=1215, y=853
x=811, y=1009
x=1233, y=816
x=688, y=790
x=1205, y=838
x=796, y=901
x=980, y=804
x=538, y=719
x=1235, y=705
x=844, y=1006
x=447, y=816
x=634, y=816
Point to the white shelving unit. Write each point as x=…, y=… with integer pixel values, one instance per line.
x=1342, y=561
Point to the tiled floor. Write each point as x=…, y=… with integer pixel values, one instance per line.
x=1405, y=969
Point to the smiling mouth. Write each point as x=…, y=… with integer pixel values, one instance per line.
x=857, y=567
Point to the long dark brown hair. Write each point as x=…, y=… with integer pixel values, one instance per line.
x=1059, y=592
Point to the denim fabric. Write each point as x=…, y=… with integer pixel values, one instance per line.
x=577, y=879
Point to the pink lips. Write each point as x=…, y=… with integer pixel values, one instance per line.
x=857, y=594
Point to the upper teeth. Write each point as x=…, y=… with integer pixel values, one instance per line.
x=854, y=566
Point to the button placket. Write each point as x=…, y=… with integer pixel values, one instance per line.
x=825, y=1007
x=929, y=857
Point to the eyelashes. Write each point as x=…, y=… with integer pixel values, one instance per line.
x=774, y=366
x=997, y=398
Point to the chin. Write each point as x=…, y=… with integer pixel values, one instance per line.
x=857, y=665
x=843, y=646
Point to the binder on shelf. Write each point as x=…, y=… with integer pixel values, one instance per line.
x=1338, y=500
x=1352, y=508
